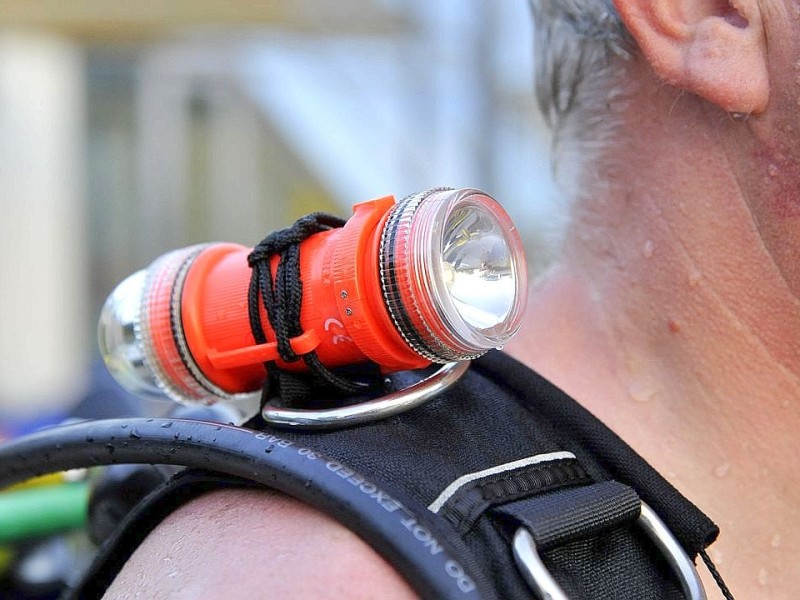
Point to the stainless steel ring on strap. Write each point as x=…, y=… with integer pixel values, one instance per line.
x=372, y=410
x=546, y=588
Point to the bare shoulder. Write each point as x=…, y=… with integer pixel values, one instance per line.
x=241, y=543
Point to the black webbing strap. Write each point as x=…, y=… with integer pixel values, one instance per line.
x=474, y=499
x=573, y=513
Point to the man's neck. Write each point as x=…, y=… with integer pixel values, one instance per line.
x=671, y=319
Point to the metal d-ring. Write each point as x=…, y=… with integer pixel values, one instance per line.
x=545, y=586
x=371, y=410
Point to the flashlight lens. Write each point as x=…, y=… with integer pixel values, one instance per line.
x=453, y=273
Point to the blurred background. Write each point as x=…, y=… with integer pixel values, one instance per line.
x=131, y=128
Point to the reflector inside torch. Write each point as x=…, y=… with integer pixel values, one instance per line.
x=477, y=268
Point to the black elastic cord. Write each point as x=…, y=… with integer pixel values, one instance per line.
x=712, y=568
x=282, y=299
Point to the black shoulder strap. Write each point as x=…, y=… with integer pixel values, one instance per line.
x=503, y=450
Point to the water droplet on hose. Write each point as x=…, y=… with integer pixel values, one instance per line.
x=134, y=434
x=166, y=425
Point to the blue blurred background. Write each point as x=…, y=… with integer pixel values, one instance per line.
x=128, y=129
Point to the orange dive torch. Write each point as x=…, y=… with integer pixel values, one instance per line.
x=435, y=278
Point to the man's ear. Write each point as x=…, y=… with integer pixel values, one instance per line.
x=713, y=48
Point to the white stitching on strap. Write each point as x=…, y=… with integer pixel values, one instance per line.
x=451, y=489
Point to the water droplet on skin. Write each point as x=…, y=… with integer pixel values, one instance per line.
x=172, y=574
x=763, y=578
x=776, y=541
x=722, y=470
x=642, y=391
x=785, y=403
x=648, y=249
x=695, y=275
x=773, y=170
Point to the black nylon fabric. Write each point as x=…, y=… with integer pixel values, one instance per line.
x=502, y=412
x=609, y=567
x=593, y=442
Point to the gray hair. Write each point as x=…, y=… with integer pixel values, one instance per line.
x=578, y=47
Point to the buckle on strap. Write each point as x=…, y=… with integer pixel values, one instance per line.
x=545, y=586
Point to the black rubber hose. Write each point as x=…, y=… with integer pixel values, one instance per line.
x=404, y=538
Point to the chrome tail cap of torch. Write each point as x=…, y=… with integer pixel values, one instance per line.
x=142, y=340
